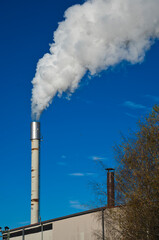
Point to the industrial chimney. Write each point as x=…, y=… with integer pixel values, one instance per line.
x=110, y=187
x=35, y=147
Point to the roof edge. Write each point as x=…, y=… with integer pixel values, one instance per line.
x=64, y=217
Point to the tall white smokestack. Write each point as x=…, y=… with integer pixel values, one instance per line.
x=35, y=183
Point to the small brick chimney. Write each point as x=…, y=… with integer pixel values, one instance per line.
x=110, y=187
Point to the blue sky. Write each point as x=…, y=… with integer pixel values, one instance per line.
x=76, y=132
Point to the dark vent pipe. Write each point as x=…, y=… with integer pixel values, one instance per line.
x=110, y=187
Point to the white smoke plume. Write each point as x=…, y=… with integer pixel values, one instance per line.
x=94, y=36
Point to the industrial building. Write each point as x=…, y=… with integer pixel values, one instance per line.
x=79, y=226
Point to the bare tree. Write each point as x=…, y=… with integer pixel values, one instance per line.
x=137, y=185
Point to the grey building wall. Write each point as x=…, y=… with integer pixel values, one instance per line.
x=80, y=226
x=76, y=228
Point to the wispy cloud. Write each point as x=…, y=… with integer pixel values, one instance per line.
x=76, y=174
x=153, y=98
x=98, y=158
x=76, y=204
x=131, y=115
x=24, y=223
x=133, y=105
x=61, y=163
x=79, y=174
x=90, y=174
